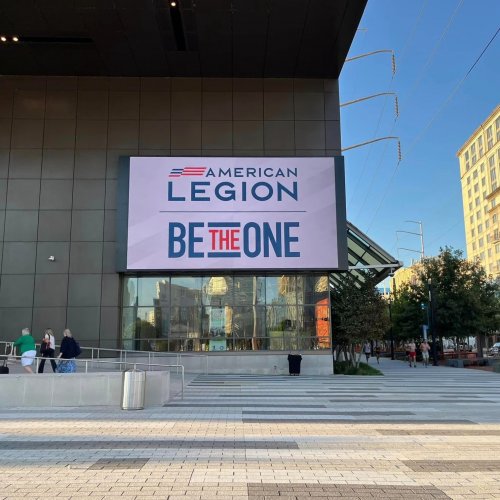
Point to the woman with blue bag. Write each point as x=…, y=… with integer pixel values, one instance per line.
x=69, y=351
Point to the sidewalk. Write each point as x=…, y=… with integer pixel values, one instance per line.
x=421, y=433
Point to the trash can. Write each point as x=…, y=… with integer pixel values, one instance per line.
x=133, y=389
x=294, y=364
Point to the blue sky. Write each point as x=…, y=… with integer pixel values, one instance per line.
x=436, y=42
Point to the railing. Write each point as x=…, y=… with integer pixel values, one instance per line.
x=124, y=354
x=92, y=361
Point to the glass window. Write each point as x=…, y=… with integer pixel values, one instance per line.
x=467, y=163
x=316, y=288
x=185, y=322
x=497, y=248
x=483, y=181
x=224, y=313
x=477, y=202
x=281, y=290
x=487, y=223
x=478, y=214
x=249, y=290
x=480, y=145
x=473, y=153
x=217, y=290
x=185, y=291
x=476, y=187
x=491, y=162
x=471, y=218
x=497, y=126
x=473, y=232
x=129, y=291
x=489, y=136
x=153, y=291
x=474, y=174
x=468, y=179
x=480, y=228
x=481, y=242
x=470, y=206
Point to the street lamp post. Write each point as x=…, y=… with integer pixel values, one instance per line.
x=391, y=333
x=432, y=324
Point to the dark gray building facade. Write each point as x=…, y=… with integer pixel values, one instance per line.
x=244, y=82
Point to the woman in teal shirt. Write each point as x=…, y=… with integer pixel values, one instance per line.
x=26, y=344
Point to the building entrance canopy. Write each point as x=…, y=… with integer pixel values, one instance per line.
x=364, y=254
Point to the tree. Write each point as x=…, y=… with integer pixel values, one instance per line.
x=465, y=301
x=359, y=314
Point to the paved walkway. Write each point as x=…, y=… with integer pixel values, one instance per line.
x=424, y=433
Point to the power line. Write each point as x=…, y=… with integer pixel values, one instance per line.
x=429, y=124
x=382, y=111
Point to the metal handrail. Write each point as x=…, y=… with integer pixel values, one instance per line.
x=87, y=361
x=122, y=353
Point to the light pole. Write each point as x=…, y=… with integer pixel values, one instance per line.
x=391, y=332
x=432, y=324
x=361, y=99
x=389, y=137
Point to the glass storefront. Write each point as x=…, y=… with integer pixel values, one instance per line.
x=226, y=313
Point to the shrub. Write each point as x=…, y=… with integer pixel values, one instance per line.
x=345, y=368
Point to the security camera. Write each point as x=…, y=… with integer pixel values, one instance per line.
x=391, y=273
x=52, y=258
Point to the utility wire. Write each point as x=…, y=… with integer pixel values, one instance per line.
x=433, y=52
x=382, y=111
x=429, y=124
x=422, y=73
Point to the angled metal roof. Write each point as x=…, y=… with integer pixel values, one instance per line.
x=364, y=254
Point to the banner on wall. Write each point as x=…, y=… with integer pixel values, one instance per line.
x=180, y=213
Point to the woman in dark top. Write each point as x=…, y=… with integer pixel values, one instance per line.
x=69, y=350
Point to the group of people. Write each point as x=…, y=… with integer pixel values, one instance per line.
x=411, y=349
x=68, y=351
x=367, y=349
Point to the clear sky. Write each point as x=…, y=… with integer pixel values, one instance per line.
x=436, y=42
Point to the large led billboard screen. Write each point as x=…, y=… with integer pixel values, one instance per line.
x=187, y=213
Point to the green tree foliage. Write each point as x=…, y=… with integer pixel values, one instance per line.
x=465, y=301
x=359, y=314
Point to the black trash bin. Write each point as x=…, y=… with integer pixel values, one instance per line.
x=294, y=364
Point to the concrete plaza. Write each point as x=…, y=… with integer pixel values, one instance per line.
x=425, y=433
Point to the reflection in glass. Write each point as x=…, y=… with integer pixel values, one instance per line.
x=129, y=291
x=224, y=313
x=150, y=290
x=249, y=290
x=185, y=322
x=185, y=291
x=217, y=290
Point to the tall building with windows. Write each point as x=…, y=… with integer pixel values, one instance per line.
x=479, y=161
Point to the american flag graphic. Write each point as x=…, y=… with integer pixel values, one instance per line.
x=191, y=171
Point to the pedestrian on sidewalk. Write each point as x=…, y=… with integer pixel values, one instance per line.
x=26, y=344
x=367, y=349
x=425, y=348
x=377, y=353
x=69, y=350
x=412, y=353
x=48, y=350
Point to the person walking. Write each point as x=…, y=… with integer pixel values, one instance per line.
x=26, y=344
x=377, y=353
x=412, y=353
x=48, y=350
x=69, y=350
x=425, y=348
x=367, y=349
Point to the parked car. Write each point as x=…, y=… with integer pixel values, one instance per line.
x=494, y=350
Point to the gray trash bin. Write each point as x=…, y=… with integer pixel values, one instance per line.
x=133, y=389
